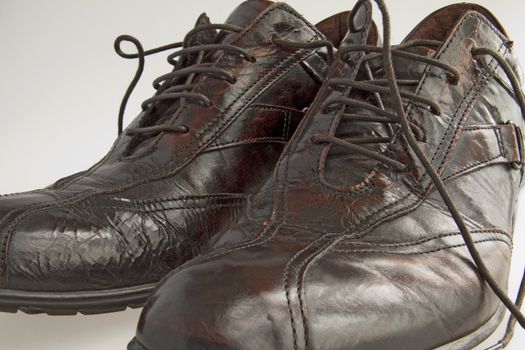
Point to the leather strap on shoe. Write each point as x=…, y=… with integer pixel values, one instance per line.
x=484, y=145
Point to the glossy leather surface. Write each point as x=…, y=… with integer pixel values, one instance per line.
x=153, y=203
x=339, y=251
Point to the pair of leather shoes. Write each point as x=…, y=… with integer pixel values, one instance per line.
x=384, y=222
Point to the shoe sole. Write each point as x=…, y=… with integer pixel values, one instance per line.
x=467, y=342
x=71, y=303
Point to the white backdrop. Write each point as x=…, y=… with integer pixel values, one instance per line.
x=60, y=88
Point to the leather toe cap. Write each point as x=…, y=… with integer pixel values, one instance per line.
x=64, y=248
x=214, y=304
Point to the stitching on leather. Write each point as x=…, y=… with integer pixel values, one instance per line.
x=410, y=106
x=287, y=292
x=316, y=254
x=481, y=127
x=478, y=163
x=285, y=129
x=476, y=89
x=286, y=274
x=500, y=80
x=302, y=268
x=192, y=202
x=428, y=239
x=454, y=36
x=204, y=206
x=502, y=153
x=250, y=140
x=471, y=166
x=272, y=108
x=312, y=257
x=191, y=197
x=385, y=209
x=499, y=137
x=361, y=187
x=425, y=252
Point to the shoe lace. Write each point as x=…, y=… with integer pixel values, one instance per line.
x=166, y=85
x=414, y=134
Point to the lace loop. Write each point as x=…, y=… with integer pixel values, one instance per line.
x=308, y=45
x=181, y=129
x=365, y=86
x=360, y=149
x=396, y=51
x=203, y=100
x=201, y=69
x=208, y=48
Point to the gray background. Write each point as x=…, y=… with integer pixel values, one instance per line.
x=60, y=88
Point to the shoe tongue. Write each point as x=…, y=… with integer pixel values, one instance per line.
x=247, y=11
x=242, y=17
x=205, y=36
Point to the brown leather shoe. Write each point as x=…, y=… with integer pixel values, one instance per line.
x=99, y=240
x=387, y=205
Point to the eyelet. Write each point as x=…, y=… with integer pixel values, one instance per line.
x=451, y=79
x=315, y=139
x=434, y=111
x=184, y=129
